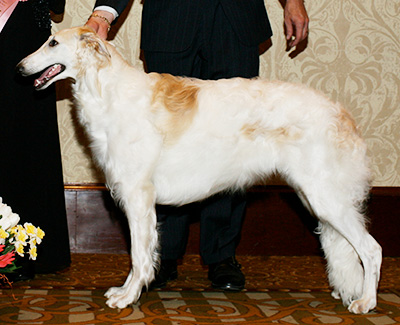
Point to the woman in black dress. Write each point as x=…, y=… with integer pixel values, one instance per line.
x=31, y=180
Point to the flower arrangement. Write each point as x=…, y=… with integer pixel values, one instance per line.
x=14, y=238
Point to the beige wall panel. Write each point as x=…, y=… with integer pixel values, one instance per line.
x=352, y=55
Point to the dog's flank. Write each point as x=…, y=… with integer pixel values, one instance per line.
x=175, y=140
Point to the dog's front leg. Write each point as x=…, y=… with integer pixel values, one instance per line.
x=140, y=211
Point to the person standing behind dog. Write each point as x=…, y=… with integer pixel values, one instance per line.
x=31, y=179
x=208, y=39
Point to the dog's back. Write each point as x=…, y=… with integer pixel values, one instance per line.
x=246, y=128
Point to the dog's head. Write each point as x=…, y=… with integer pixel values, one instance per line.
x=66, y=54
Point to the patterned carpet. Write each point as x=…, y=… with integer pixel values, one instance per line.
x=284, y=290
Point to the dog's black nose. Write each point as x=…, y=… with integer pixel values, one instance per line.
x=20, y=68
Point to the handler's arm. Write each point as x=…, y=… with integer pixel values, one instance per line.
x=104, y=14
x=296, y=22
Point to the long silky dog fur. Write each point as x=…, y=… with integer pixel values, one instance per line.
x=174, y=140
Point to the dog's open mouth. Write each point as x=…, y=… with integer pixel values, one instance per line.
x=49, y=74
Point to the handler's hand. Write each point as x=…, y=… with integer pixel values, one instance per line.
x=100, y=25
x=296, y=22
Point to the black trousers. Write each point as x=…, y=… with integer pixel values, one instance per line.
x=215, y=53
x=31, y=179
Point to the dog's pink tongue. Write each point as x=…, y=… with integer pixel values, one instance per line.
x=48, y=74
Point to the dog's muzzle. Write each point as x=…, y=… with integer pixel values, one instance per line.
x=47, y=74
x=20, y=68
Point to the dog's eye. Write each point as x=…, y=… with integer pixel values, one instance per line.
x=53, y=43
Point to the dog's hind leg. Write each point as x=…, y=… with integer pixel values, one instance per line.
x=140, y=211
x=343, y=264
x=346, y=243
x=345, y=272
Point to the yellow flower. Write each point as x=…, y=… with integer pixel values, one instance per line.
x=33, y=253
x=34, y=233
x=16, y=229
x=19, y=248
x=22, y=236
x=40, y=233
x=30, y=229
x=3, y=234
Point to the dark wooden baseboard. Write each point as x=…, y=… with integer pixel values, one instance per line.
x=276, y=223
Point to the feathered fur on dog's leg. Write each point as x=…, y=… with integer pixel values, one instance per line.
x=333, y=174
x=345, y=272
x=141, y=216
x=342, y=222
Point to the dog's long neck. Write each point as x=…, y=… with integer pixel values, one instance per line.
x=98, y=73
x=104, y=89
x=98, y=86
x=112, y=100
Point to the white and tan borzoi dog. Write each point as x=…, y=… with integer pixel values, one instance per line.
x=171, y=140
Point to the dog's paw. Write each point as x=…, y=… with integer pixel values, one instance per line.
x=121, y=297
x=362, y=306
x=335, y=294
x=113, y=291
x=117, y=302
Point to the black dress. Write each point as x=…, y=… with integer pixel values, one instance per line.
x=30, y=160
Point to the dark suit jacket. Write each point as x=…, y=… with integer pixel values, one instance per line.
x=57, y=6
x=170, y=25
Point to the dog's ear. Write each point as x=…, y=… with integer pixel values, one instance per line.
x=94, y=42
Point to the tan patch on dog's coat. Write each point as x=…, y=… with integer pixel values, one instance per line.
x=345, y=131
x=281, y=134
x=179, y=99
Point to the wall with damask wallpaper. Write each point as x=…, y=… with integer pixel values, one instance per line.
x=352, y=55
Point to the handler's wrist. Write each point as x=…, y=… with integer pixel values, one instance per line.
x=105, y=16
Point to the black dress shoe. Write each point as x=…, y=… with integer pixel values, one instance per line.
x=226, y=275
x=168, y=271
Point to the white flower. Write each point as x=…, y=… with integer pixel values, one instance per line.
x=8, y=218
